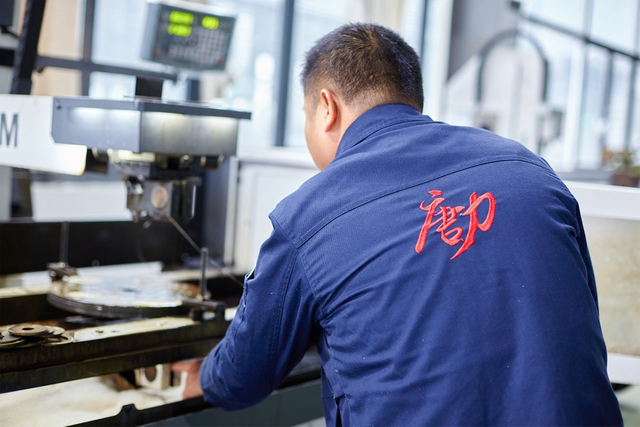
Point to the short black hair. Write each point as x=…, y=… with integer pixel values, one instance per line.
x=362, y=61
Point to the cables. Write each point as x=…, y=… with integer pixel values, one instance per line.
x=223, y=270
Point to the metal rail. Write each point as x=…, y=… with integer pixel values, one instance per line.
x=90, y=66
x=23, y=368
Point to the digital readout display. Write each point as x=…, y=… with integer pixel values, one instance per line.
x=188, y=38
x=180, y=23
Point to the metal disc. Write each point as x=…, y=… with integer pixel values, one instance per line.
x=32, y=342
x=63, y=339
x=56, y=330
x=121, y=297
x=10, y=339
x=28, y=330
x=5, y=329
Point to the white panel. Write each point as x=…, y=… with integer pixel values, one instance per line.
x=25, y=137
x=624, y=369
x=610, y=215
x=263, y=184
x=607, y=201
x=79, y=201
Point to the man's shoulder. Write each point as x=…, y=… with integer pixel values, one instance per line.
x=293, y=213
x=400, y=157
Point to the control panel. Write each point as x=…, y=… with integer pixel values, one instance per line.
x=186, y=37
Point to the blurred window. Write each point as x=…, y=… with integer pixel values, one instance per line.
x=560, y=51
x=614, y=22
x=635, y=126
x=594, y=42
x=592, y=124
x=563, y=54
x=251, y=79
x=313, y=19
x=247, y=83
x=619, y=104
x=568, y=13
x=117, y=40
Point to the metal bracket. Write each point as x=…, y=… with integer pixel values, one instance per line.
x=27, y=50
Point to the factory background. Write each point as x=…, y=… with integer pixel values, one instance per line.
x=561, y=77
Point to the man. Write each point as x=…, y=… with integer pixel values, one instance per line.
x=441, y=271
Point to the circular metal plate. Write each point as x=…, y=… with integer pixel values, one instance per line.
x=28, y=330
x=10, y=339
x=32, y=342
x=63, y=339
x=121, y=297
x=56, y=330
x=5, y=329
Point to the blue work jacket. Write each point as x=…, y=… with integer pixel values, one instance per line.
x=443, y=274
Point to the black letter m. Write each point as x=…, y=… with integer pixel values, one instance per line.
x=7, y=132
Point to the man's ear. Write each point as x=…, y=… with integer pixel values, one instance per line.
x=331, y=109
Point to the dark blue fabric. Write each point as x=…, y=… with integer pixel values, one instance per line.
x=506, y=333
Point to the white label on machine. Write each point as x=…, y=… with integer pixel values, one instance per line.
x=25, y=137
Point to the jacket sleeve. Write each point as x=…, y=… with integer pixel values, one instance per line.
x=274, y=326
x=584, y=251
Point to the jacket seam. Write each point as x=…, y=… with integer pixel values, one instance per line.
x=383, y=125
x=275, y=343
x=305, y=238
x=299, y=256
x=304, y=270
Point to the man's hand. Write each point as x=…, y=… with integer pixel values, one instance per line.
x=192, y=368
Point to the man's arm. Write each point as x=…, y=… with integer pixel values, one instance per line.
x=274, y=326
x=192, y=368
x=584, y=251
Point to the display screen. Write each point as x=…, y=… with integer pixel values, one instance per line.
x=187, y=38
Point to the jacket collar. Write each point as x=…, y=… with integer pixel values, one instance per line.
x=375, y=119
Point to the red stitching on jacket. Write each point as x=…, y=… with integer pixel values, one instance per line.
x=448, y=216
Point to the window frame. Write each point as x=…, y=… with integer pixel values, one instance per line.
x=589, y=42
x=283, y=74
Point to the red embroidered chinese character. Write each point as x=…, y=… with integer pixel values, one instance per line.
x=447, y=216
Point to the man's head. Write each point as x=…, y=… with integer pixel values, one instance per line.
x=348, y=72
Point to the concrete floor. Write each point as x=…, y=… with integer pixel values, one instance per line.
x=318, y=422
x=629, y=399
x=72, y=406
